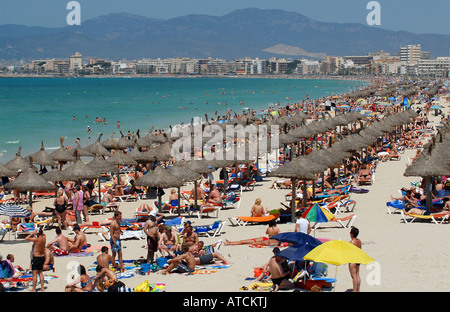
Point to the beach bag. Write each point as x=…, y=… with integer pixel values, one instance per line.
x=142, y=287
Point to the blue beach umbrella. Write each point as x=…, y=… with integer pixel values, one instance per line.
x=406, y=102
x=296, y=252
x=297, y=238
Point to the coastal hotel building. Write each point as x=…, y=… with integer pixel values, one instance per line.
x=410, y=60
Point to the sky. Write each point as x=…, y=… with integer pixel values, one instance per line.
x=417, y=16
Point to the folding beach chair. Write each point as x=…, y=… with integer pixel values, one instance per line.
x=434, y=218
x=243, y=221
x=211, y=230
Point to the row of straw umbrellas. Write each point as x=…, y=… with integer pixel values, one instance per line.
x=294, y=128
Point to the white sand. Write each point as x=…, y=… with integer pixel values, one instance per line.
x=409, y=257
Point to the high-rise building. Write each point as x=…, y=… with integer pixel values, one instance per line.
x=76, y=62
x=411, y=53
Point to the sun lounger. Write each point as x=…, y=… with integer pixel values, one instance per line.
x=231, y=201
x=96, y=208
x=206, y=210
x=127, y=234
x=434, y=217
x=243, y=221
x=344, y=222
x=347, y=206
x=124, y=198
x=211, y=230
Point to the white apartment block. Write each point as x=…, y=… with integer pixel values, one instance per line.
x=439, y=67
x=411, y=54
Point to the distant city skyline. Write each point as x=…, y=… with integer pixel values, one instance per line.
x=414, y=16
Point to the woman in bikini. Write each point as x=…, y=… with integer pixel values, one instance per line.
x=86, y=282
x=271, y=231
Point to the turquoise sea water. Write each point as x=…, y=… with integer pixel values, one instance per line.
x=42, y=109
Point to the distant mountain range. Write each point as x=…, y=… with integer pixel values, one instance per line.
x=241, y=33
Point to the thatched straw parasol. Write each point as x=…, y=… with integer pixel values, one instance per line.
x=97, y=148
x=6, y=172
x=42, y=157
x=81, y=151
x=79, y=171
x=298, y=169
x=30, y=181
x=61, y=154
x=185, y=174
x=426, y=166
x=18, y=163
x=110, y=143
x=159, y=178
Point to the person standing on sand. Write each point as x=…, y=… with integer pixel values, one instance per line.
x=151, y=229
x=78, y=204
x=116, y=247
x=354, y=267
x=38, y=259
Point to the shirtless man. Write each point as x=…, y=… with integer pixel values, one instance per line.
x=49, y=261
x=104, y=259
x=257, y=209
x=280, y=273
x=169, y=240
x=184, y=263
x=214, y=197
x=116, y=246
x=37, y=263
x=190, y=237
x=354, y=267
x=60, y=245
x=202, y=258
x=200, y=193
x=106, y=279
x=77, y=243
x=151, y=229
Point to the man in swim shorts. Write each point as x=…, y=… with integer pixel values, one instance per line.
x=37, y=262
x=184, y=263
x=151, y=229
x=116, y=246
x=279, y=273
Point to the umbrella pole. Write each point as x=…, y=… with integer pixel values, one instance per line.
x=294, y=196
x=304, y=194
x=99, y=191
x=179, y=199
x=335, y=279
x=30, y=199
x=429, y=203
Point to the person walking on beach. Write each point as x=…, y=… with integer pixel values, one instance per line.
x=38, y=256
x=354, y=267
x=78, y=204
x=116, y=247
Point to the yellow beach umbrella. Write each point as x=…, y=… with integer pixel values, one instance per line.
x=338, y=252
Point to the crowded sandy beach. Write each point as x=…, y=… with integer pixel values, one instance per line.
x=235, y=218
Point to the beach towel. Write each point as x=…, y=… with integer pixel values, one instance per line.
x=88, y=251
